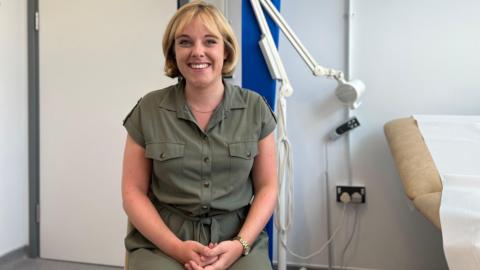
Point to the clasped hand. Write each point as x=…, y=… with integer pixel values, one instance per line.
x=212, y=257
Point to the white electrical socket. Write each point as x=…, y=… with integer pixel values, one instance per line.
x=357, y=194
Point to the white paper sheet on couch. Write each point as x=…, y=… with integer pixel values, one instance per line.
x=454, y=142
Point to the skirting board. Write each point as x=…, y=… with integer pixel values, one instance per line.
x=14, y=255
x=291, y=266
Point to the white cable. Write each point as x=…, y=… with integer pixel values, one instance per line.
x=285, y=161
x=324, y=245
x=283, y=140
x=350, y=238
x=327, y=204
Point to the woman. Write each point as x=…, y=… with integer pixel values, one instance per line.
x=199, y=174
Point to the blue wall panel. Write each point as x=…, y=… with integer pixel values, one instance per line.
x=255, y=74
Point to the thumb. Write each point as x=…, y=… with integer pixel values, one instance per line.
x=215, y=251
x=198, y=247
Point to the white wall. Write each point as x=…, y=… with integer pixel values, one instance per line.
x=13, y=126
x=416, y=57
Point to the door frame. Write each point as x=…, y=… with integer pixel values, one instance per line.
x=33, y=130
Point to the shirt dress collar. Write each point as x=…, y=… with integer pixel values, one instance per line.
x=175, y=101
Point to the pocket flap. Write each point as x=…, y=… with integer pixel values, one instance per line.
x=246, y=150
x=164, y=151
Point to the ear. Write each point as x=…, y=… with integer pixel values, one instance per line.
x=225, y=54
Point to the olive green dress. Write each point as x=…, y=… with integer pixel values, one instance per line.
x=201, y=180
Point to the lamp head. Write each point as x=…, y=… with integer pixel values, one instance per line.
x=349, y=92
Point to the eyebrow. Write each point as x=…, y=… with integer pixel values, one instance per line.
x=206, y=36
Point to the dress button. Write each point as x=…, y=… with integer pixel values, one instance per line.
x=162, y=155
x=206, y=184
x=206, y=159
x=204, y=207
x=249, y=154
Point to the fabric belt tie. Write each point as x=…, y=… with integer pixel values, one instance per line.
x=205, y=225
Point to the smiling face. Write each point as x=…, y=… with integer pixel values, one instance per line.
x=199, y=54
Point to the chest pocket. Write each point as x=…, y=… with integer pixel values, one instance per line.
x=242, y=155
x=167, y=157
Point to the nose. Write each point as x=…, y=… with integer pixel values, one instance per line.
x=198, y=50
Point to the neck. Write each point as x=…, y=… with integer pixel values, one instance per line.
x=204, y=99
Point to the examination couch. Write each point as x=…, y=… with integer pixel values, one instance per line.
x=419, y=175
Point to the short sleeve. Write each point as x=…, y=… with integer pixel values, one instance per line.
x=133, y=124
x=269, y=120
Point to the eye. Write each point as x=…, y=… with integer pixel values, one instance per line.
x=211, y=42
x=184, y=42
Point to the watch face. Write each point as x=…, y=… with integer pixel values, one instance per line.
x=246, y=250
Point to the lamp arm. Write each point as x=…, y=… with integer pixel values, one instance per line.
x=316, y=69
x=270, y=52
x=262, y=22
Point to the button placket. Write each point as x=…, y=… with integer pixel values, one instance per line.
x=206, y=173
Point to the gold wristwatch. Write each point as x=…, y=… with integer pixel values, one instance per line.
x=245, y=245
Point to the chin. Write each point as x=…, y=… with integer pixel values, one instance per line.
x=201, y=83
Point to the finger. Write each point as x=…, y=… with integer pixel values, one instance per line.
x=204, y=258
x=214, y=266
x=209, y=260
x=187, y=266
x=211, y=267
x=197, y=246
x=200, y=249
x=216, y=251
x=195, y=266
x=196, y=258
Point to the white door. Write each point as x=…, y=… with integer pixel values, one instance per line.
x=97, y=58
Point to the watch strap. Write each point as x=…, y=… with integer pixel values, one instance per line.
x=245, y=245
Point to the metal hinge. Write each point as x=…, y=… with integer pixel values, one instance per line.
x=37, y=214
x=37, y=21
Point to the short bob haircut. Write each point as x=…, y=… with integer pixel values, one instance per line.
x=214, y=21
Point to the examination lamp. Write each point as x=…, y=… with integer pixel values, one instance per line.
x=347, y=92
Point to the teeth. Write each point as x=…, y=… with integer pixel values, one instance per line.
x=199, y=66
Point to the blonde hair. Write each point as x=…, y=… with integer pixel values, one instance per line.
x=213, y=20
